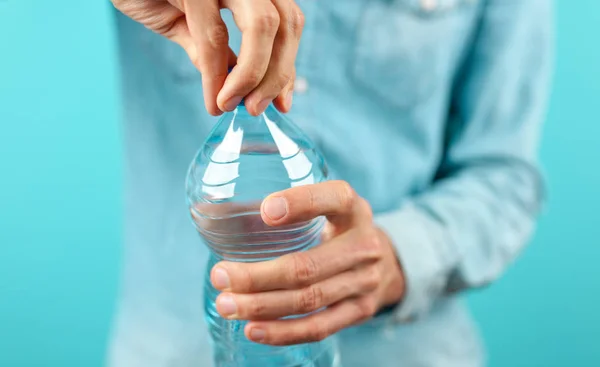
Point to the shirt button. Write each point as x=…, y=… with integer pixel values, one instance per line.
x=301, y=85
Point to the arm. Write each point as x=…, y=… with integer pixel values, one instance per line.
x=481, y=210
x=462, y=233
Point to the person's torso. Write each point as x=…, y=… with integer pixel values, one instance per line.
x=373, y=87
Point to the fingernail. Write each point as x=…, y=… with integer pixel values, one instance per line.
x=275, y=208
x=220, y=279
x=226, y=305
x=262, y=105
x=258, y=335
x=232, y=103
x=288, y=99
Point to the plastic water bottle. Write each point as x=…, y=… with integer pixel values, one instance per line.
x=244, y=159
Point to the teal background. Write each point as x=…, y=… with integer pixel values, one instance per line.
x=60, y=197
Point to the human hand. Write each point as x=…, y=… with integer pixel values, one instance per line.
x=264, y=70
x=346, y=279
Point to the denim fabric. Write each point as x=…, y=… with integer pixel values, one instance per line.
x=431, y=109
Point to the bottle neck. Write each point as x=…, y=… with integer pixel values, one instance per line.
x=241, y=108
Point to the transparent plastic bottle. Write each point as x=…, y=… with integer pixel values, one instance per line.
x=244, y=159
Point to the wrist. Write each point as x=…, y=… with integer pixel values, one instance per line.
x=395, y=285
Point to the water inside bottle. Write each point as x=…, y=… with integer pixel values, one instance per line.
x=245, y=159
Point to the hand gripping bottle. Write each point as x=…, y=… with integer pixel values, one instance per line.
x=244, y=159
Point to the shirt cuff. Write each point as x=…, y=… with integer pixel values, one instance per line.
x=418, y=241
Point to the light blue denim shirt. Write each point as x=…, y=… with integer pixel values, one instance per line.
x=431, y=109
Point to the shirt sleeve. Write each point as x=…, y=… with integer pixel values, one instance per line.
x=481, y=209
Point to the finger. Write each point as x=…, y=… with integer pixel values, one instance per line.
x=281, y=66
x=179, y=30
x=312, y=328
x=160, y=17
x=180, y=34
x=328, y=232
x=231, y=59
x=334, y=199
x=300, y=269
x=283, y=102
x=276, y=304
x=209, y=49
x=258, y=21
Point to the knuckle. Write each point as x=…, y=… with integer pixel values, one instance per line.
x=310, y=299
x=319, y=332
x=372, y=278
x=266, y=23
x=217, y=35
x=284, y=78
x=246, y=282
x=310, y=199
x=347, y=194
x=276, y=83
x=252, y=78
x=256, y=309
x=366, y=307
x=297, y=21
x=348, y=288
x=371, y=241
x=304, y=268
